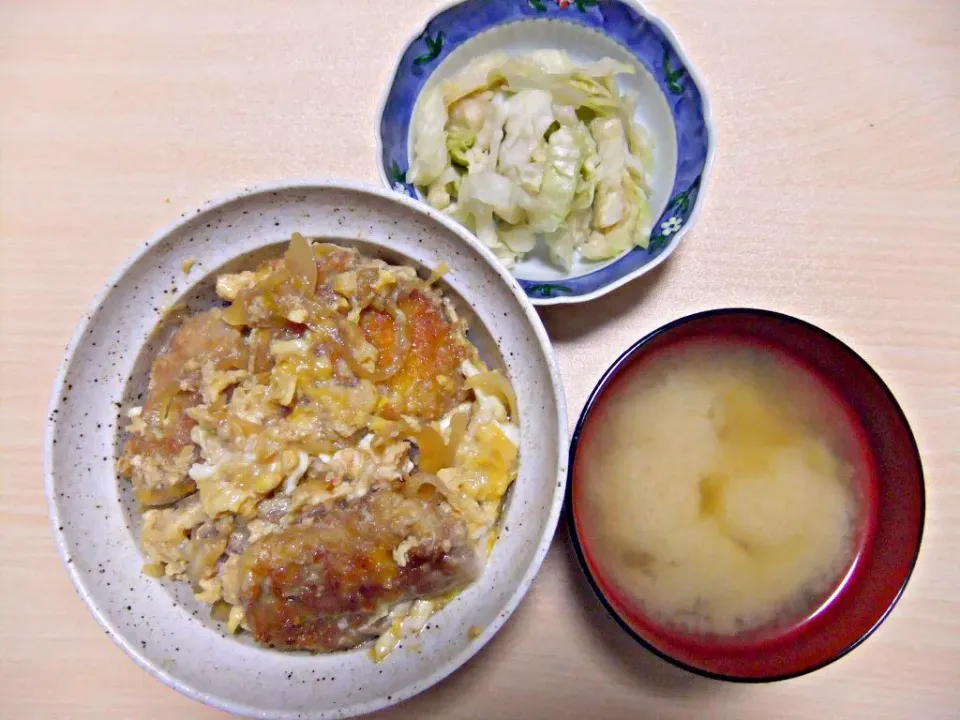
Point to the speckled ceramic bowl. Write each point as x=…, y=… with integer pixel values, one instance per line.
x=671, y=103
x=95, y=522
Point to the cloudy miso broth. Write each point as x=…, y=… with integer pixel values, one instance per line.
x=722, y=488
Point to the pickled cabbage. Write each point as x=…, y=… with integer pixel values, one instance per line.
x=523, y=148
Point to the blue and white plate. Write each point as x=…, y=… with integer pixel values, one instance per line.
x=671, y=104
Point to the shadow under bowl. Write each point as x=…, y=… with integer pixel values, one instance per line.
x=895, y=501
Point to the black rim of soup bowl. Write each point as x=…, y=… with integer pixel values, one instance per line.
x=620, y=364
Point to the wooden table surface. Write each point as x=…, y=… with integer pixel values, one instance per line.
x=835, y=196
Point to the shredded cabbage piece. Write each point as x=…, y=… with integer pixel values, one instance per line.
x=536, y=146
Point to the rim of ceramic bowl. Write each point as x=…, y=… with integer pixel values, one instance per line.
x=559, y=401
x=709, y=126
x=603, y=383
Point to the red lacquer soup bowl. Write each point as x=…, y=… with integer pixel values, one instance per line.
x=891, y=513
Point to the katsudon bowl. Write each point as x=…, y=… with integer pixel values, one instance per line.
x=96, y=519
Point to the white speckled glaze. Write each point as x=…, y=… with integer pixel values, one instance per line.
x=158, y=623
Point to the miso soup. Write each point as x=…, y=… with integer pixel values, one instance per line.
x=723, y=487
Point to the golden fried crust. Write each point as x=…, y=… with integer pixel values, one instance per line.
x=291, y=385
x=429, y=383
x=157, y=460
x=323, y=587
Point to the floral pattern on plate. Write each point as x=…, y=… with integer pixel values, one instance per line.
x=631, y=27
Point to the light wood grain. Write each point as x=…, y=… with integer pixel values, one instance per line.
x=835, y=196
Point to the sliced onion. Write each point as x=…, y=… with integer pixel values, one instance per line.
x=458, y=428
x=426, y=486
x=204, y=555
x=154, y=569
x=495, y=383
x=239, y=426
x=401, y=346
x=155, y=497
x=260, y=358
x=235, y=315
x=434, y=452
x=423, y=486
x=220, y=611
x=387, y=429
x=318, y=446
x=163, y=412
x=301, y=262
x=438, y=272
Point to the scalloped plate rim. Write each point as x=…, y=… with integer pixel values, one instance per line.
x=694, y=215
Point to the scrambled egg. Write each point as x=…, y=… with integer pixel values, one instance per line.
x=330, y=375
